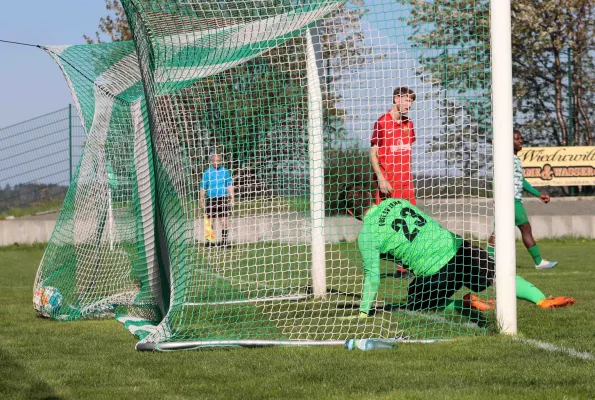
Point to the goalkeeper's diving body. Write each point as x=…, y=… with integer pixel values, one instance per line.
x=441, y=261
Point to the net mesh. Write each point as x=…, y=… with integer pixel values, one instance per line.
x=208, y=205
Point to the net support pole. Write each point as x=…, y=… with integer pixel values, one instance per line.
x=111, y=182
x=69, y=144
x=570, y=101
x=503, y=166
x=316, y=167
x=110, y=220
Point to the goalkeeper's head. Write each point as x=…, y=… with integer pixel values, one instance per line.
x=357, y=201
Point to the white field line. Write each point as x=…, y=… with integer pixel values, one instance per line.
x=443, y=320
x=583, y=355
x=538, y=272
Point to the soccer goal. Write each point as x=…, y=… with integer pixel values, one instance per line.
x=206, y=209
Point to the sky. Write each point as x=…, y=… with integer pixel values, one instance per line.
x=31, y=83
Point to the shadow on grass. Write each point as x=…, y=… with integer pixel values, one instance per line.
x=17, y=382
x=309, y=290
x=397, y=275
x=482, y=320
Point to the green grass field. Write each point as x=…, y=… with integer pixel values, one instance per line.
x=41, y=359
x=270, y=269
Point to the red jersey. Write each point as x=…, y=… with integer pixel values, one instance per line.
x=394, y=140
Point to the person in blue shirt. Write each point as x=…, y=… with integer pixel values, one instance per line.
x=216, y=195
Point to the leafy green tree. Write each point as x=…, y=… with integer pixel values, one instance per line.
x=114, y=25
x=543, y=34
x=250, y=106
x=452, y=37
x=451, y=40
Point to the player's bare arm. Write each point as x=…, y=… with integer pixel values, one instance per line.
x=202, y=198
x=231, y=195
x=383, y=185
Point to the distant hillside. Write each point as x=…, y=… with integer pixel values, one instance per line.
x=29, y=195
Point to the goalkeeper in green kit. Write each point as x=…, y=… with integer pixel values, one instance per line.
x=441, y=261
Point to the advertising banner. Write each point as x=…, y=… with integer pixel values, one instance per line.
x=559, y=166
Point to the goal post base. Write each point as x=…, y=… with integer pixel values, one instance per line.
x=199, y=344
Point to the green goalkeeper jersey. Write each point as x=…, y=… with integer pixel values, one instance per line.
x=413, y=238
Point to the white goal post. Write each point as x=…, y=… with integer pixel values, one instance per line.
x=315, y=156
x=500, y=29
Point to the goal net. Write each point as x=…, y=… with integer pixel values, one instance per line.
x=206, y=207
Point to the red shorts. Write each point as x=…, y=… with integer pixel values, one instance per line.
x=407, y=193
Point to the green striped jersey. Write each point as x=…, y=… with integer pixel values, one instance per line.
x=518, y=178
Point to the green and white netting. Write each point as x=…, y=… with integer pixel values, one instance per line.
x=287, y=91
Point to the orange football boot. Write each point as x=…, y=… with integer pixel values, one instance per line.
x=475, y=302
x=555, y=302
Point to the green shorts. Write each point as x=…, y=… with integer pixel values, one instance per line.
x=520, y=215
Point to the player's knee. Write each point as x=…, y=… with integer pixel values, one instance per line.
x=526, y=227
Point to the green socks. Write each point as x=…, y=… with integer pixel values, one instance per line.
x=534, y=251
x=453, y=305
x=525, y=290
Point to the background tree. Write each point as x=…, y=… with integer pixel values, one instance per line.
x=543, y=34
x=114, y=24
x=452, y=37
x=339, y=35
x=257, y=112
x=451, y=41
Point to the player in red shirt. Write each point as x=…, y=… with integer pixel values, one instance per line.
x=390, y=152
